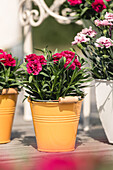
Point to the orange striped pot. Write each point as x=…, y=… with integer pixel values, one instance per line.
x=55, y=125
x=8, y=100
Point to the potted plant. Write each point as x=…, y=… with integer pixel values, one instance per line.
x=48, y=79
x=98, y=48
x=90, y=9
x=9, y=87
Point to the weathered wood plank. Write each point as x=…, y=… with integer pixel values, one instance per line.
x=22, y=150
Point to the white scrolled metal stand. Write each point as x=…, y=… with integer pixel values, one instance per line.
x=34, y=17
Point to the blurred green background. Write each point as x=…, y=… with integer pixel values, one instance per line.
x=54, y=35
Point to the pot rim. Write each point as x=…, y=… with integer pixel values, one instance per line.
x=103, y=81
x=50, y=101
x=9, y=91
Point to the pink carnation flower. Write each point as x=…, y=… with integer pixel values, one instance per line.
x=104, y=42
x=74, y=2
x=89, y=32
x=109, y=16
x=98, y=5
x=80, y=38
x=102, y=23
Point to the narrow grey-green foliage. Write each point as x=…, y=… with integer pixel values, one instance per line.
x=101, y=59
x=55, y=81
x=10, y=76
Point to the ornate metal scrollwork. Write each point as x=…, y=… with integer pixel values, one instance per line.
x=35, y=17
x=31, y=16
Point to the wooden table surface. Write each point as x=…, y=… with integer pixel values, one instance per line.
x=21, y=153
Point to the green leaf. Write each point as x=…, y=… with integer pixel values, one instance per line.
x=105, y=56
x=39, y=50
x=30, y=79
x=110, y=72
x=52, y=78
x=45, y=85
x=24, y=67
x=1, y=87
x=105, y=2
x=84, y=10
x=44, y=74
x=2, y=83
x=62, y=61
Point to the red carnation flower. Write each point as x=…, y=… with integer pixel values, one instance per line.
x=74, y=2
x=98, y=5
x=77, y=63
x=34, y=67
x=32, y=57
x=3, y=52
x=57, y=57
x=72, y=66
x=34, y=63
x=69, y=55
x=42, y=60
x=7, y=59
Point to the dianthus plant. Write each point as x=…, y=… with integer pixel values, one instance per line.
x=50, y=76
x=10, y=72
x=89, y=9
x=98, y=47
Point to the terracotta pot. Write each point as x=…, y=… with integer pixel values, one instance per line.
x=8, y=100
x=55, y=125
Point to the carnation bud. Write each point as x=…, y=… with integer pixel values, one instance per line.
x=102, y=17
x=104, y=32
x=104, y=69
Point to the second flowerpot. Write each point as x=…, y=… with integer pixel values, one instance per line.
x=8, y=100
x=104, y=99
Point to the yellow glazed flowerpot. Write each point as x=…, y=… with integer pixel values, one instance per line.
x=55, y=125
x=8, y=100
